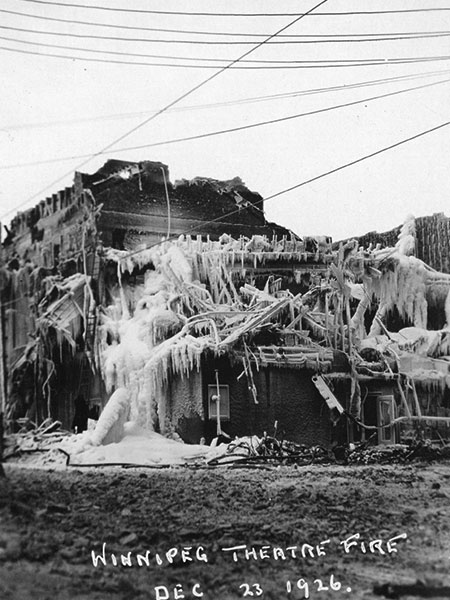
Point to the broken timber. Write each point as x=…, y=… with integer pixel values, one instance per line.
x=327, y=394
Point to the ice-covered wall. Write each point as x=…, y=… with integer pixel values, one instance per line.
x=432, y=235
x=145, y=340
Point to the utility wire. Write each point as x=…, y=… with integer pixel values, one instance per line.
x=277, y=63
x=358, y=160
x=307, y=64
x=92, y=36
x=237, y=102
x=168, y=106
x=235, y=129
x=221, y=14
x=314, y=38
x=306, y=182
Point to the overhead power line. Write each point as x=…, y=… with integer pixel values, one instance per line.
x=305, y=38
x=236, y=129
x=307, y=181
x=307, y=64
x=243, y=63
x=237, y=102
x=92, y=36
x=231, y=14
x=358, y=160
x=169, y=105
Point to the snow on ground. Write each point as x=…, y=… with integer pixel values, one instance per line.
x=138, y=447
x=131, y=444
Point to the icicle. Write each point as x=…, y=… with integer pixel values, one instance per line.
x=407, y=237
x=447, y=309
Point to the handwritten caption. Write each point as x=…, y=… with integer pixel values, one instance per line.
x=245, y=553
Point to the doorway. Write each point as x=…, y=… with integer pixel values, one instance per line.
x=385, y=416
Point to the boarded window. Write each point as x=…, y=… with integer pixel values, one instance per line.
x=223, y=401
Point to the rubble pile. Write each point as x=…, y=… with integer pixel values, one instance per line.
x=38, y=446
x=49, y=446
x=417, y=450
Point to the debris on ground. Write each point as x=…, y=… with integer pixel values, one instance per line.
x=37, y=445
x=48, y=445
x=398, y=453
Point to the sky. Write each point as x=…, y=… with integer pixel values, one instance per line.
x=58, y=113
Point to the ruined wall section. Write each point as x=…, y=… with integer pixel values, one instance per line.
x=46, y=245
x=57, y=230
x=135, y=208
x=286, y=396
x=432, y=240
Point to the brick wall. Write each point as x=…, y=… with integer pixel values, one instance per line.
x=432, y=240
x=284, y=395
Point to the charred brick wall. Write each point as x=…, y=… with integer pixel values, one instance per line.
x=54, y=232
x=135, y=208
x=432, y=240
x=287, y=396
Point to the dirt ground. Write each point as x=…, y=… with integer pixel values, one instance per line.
x=51, y=520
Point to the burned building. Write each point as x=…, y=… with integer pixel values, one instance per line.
x=213, y=320
x=432, y=240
